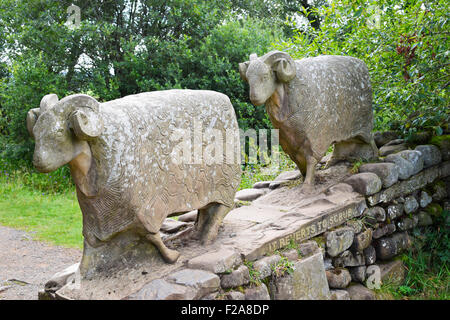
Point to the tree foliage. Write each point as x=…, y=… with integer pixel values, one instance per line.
x=405, y=46
x=124, y=47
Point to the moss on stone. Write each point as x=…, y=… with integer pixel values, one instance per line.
x=438, y=140
x=434, y=209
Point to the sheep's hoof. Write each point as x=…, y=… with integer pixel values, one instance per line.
x=170, y=256
x=307, y=189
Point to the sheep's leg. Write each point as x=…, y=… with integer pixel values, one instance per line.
x=170, y=256
x=209, y=220
x=308, y=184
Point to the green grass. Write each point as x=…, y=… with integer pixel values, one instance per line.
x=43, y=204
x=52, y=218
x=427, y=264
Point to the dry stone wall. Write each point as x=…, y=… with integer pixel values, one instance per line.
x=406, y=189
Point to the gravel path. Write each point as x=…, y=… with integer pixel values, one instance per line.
x=25, y=265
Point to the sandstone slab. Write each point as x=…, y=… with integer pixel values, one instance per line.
x=217, y=261
x=188, y=217
x=202, y=282
x=307, y=281
x=249, y=194
x=261, y=184
x=160, y=289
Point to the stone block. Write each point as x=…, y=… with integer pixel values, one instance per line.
x=291, y=254
x=407, y=223
x=236, y=278
x=233, y=295
x=362, y=240
x=219, y=261
x=264, y=266
x=288, y=175
x=160, y=289
x=338, y=278
x=414, y=183
x=339, y=240
x=188, y=217
x=357, y=291
x=261, y=184
x=358, y=274
x=387, y=172
x=383, y=137
x=395, y=211
x=410, y=205
x=356, y=225
x=250, y=194
x=307, y=281
x=307, y=248
x=431, y=155
x=370, y=255
x=203, y=282
x=339, y=295
x=425, y=199
x=366, y=183
x=172, y=226
x=374, y=215
x=391, y=149
x=257, y=293
x=424, y=219
x=405, y=168
x=389, y=247
x=349, y=259
x=415, y=158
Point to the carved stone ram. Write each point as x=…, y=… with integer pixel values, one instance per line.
x=314, y=102
x=120, y=157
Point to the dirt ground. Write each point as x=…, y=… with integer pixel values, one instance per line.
x=25, y=265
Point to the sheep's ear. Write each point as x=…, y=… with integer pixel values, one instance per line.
x=48, y=102
x=32, y=117
x=243, y=70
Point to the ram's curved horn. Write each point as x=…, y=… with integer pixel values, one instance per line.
x=84, y=115
x=282, y=64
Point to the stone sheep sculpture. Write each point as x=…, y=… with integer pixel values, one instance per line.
x=314, y=102
x=120, y=156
